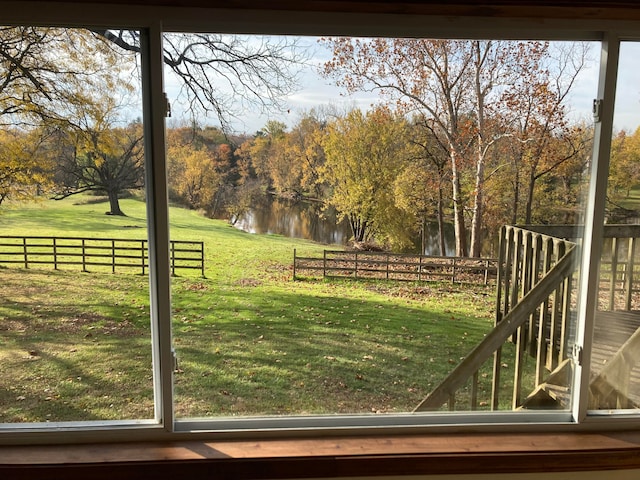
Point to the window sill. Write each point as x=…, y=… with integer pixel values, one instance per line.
x=328, y=457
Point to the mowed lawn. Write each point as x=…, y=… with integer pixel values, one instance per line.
x=249, y=340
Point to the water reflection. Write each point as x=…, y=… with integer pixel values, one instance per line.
x=297, y=219
x=312, y=221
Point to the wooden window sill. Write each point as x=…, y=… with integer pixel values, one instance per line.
x=327, y=457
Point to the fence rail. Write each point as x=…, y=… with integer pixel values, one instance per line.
x=394, y=266
x=103, y=254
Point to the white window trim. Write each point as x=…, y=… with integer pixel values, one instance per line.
x=153, y=24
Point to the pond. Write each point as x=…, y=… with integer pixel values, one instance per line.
x=312, y=221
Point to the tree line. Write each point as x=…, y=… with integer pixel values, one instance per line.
x=476, y=133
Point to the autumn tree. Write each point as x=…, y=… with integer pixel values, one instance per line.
x=26, y=165
x=624, y=172
x=420, y=188
x=364, y=154
x=40, y=67
x=460, y=86
x=539, y=97
x=104, y=159
x=304, y=146
x=201, y=165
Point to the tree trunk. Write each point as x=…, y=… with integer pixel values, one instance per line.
x=358, y=228
x=440, y=216
x=478, y=207
x=529, y=206
x=458, y=209
x=423, y=230
x=478, y=197
x=114, y=204
x=516, y=194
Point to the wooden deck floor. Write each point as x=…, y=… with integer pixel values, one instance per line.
x=611, y=330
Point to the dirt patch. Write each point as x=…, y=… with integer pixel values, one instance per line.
x=249, y=282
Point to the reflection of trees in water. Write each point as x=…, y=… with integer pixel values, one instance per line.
x=313, y=221
x=298, y=219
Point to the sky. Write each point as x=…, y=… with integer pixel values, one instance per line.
x=315, y=91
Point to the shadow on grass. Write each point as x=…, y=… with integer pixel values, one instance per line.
x=252, y=354
x=242, y=349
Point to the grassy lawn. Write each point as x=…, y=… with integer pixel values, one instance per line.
x=249, y=340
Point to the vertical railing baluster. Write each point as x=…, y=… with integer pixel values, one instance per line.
x=628, y=288
x=614, y=273
x=474, y=391
x=502, y=278
x=535, y=274
x=556, y=309
x=547, y=255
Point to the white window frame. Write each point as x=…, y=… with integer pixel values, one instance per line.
x=153, y=23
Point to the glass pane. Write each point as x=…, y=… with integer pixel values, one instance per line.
x=74, y=298
x=615, y=380
x=354, y=254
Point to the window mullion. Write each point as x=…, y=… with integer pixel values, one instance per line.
x=594, y=220
x=158, y=215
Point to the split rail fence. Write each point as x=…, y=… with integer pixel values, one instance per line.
x=394, y=266
x=101, y=254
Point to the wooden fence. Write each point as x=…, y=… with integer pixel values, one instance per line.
x=101, y=254
x=394, y=266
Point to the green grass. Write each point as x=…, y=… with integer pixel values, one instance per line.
x=249, y=340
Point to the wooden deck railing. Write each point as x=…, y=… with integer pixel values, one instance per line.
x=394, y=266
x=535, y=305
x=103, y=254
x=534, y=281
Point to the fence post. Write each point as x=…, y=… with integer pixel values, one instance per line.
x=486, y=272
x=55, y=254
x=143, y=253
x=84, y=258
x=420, y=267
x=173, y=258
x=202, y=258
x=113, y=256
x=294, y=264
x=26, y=253
x=324, y=264
x=356, y=265
x=388, y=260
x=453, y=272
